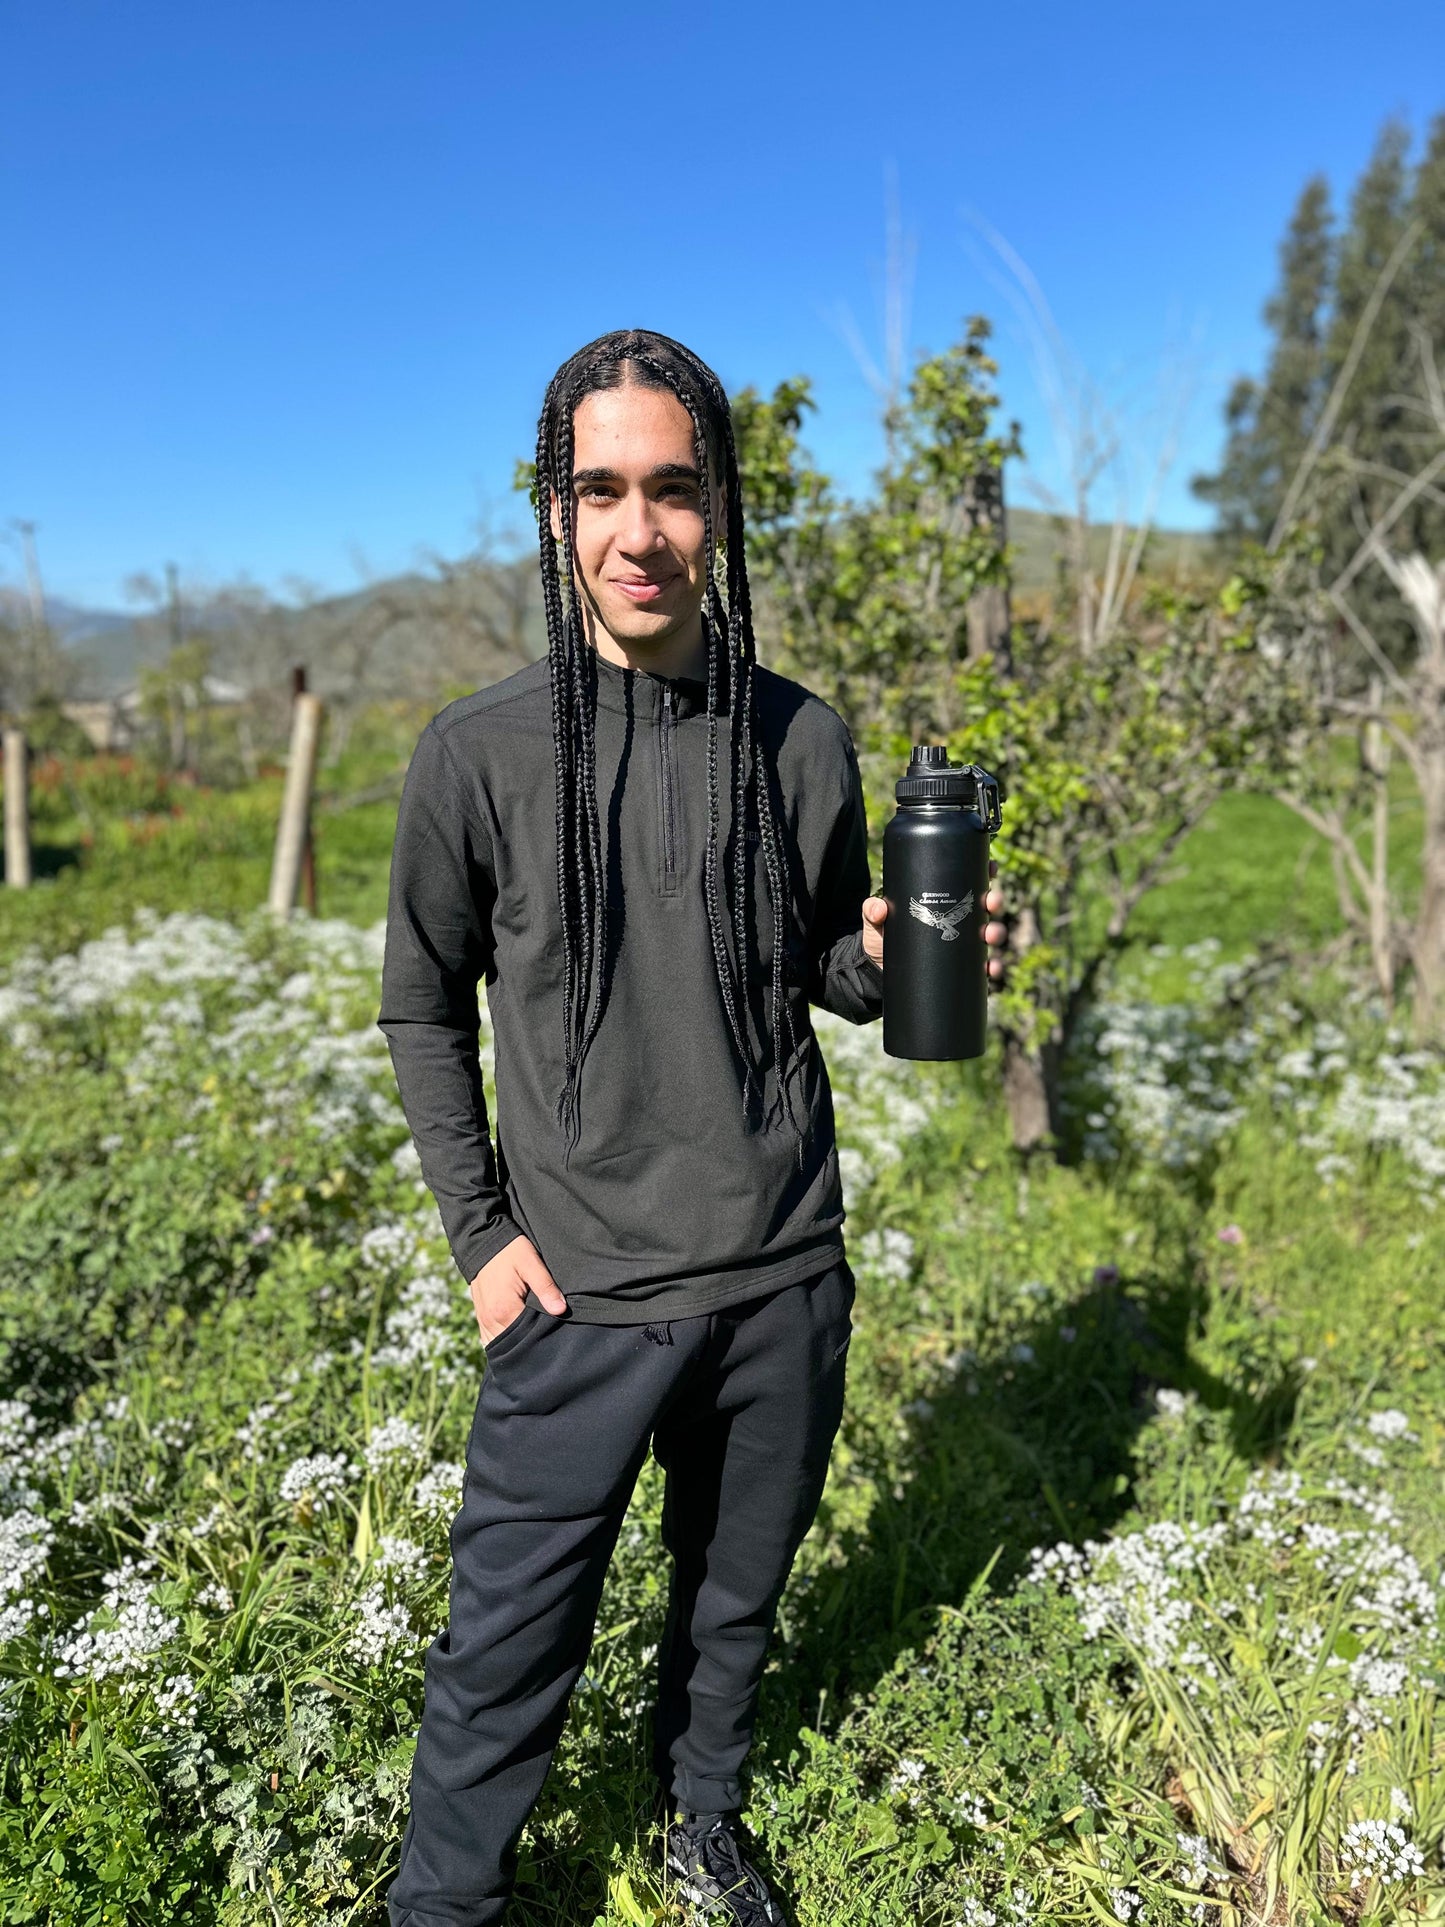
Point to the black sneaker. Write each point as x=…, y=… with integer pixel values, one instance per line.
x=705, y=1856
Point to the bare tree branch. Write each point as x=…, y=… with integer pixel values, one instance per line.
x=1410, y=493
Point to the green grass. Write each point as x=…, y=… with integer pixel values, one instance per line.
x=1250, y=870
x=1238, y=1274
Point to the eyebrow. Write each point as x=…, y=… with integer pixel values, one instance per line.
x=664, y=472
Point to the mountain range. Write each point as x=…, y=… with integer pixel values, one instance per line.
x=465, y=623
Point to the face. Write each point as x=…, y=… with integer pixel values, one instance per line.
x=641, y=550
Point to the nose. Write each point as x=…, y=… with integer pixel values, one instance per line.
x=640, y=534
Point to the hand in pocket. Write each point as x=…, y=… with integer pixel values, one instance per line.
x=499, y=1290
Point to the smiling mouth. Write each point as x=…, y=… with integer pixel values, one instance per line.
x=640, y=590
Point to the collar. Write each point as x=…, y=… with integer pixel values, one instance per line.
x=621, y=688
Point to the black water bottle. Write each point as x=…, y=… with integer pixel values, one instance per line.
x=935, y=878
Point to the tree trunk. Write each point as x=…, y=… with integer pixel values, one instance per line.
x=1026, y=1093
x=990, y=612
x=1382, y=936
x=1428, y=943
x=1030, y=1073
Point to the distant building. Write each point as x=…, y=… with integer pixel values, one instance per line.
x=106, y=723
x=114, y=723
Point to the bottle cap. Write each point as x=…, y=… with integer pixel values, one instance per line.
x=931, y=778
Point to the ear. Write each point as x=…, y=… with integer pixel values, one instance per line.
x=555, y=514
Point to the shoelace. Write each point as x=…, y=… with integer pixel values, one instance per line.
x=722, y=1855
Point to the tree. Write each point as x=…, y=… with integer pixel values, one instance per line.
x=1334, y=670
x=1343, y=373
x=34, y=668
x=173, y=695
x=1112, y=737
x=1269, y=422
x=880, y=601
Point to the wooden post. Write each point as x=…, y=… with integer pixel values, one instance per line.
x=308, y=849
x=295, y=805
x=17, y=810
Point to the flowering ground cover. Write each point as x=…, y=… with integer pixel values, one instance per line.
x=1124, y=1602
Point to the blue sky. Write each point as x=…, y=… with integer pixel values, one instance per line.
x=284, y=283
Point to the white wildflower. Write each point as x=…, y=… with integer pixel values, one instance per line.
x=203, y=1527
x=254, y=1435
x=388, y=1245
x=1378, y=1679
x=404, y=1557
x=1379, y=1850
x=1197, y=1866
x=1389, y=1425
x=422, y=1330
x=126, y=1633
x=887, y=1255
x=906, y=1774
x=394, y=1441
x=319, y=1479
x=380, y=1629
x=176, y=1700
x=25, y=1542
x=440, y=1489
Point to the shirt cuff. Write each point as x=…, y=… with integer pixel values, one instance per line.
x=480, y=1250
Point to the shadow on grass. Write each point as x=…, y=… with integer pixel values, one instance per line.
x=49, y=859
x=1043, y=1449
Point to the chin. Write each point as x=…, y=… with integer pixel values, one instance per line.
x=631, y=624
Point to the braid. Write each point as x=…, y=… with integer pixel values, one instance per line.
x=581, y=881
x=741, y=612
x=593, y=894
x=561, y=714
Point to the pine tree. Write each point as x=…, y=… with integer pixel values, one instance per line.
x=1270, y=422
x=1370, y=415
x=1383, y=431
x=1422, y=298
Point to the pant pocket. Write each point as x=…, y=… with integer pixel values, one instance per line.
x=509, y=1335
x=842, y=1329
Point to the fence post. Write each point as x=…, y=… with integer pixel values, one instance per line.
x=308, y=851
x=291, y=831
x=17, y=810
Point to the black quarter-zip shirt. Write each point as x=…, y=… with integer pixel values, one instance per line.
x=670, y=1204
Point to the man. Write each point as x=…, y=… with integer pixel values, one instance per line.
x=654, y=1248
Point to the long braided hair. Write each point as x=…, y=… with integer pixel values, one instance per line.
x=638, y=357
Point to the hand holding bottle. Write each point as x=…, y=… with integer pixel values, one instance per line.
x=875, y=915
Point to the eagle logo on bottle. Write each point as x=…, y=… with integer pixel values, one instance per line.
x=945, y=922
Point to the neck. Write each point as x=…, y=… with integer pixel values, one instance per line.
x=682, y=653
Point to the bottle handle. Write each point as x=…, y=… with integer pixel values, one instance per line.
x=987, y=797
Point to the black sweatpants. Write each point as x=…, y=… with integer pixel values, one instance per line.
x=740, y=1407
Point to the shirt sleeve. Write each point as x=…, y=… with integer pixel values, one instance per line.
x=438, y=948
x=843, y=977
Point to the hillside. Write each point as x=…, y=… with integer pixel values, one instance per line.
x=472, y=623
